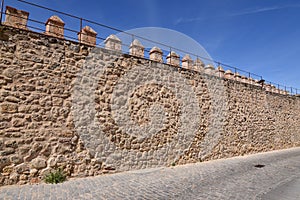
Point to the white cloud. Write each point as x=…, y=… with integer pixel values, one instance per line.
x=234, y=14
x=187, y=20
x=260, y=10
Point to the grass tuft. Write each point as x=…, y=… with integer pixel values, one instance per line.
x=55, y=177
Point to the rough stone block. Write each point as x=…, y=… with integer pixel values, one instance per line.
x=9, y=108
x=38, y=163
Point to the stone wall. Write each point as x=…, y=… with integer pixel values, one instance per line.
x=92, y=111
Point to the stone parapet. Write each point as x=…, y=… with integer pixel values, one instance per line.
x=55, y=27
x=87, y=36
x=156, y=54
x=198, y=65
x=209, y=69
x=16, y=18
x=136, y=48
x=112, y=42
x=220, y=72
x=187, y=62
x=173, y=59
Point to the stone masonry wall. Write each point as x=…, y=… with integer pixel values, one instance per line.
x=92, y=111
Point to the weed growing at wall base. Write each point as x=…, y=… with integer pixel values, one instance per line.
x=55, y=177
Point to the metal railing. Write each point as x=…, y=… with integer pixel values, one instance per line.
x=106, y=30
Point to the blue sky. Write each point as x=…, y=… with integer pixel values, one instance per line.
x=260, y=36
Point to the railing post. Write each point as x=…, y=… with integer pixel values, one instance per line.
x=132, y=38
x=2, y=5
x=80, y=30
x=170, y=55
x=235, y=71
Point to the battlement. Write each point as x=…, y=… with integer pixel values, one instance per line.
x=54, y=27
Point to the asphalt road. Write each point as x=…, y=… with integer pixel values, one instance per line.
x=272, y=175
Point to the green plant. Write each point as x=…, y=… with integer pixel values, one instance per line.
x=56, y=176
x=173, y=164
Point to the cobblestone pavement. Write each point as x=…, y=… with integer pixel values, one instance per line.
x=234, y=178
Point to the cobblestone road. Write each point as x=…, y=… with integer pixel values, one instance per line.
x=235, y=178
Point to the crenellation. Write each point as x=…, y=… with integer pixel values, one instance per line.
x=87, y=36
x=55, y=27
x=112, y=42
x=267, y=87
x=244, y=79
x=277, y=91
x=228, y=74
x=237, y=77
x=209, y=69
x=258, y=83
x=273, y=88
x=198, y=65
x=136, y=48
x=187, y=62
x=251, y=81
x=220, y=72
x=173, y=59
x=156, y=54
x=16, y=18
x=286, y=93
